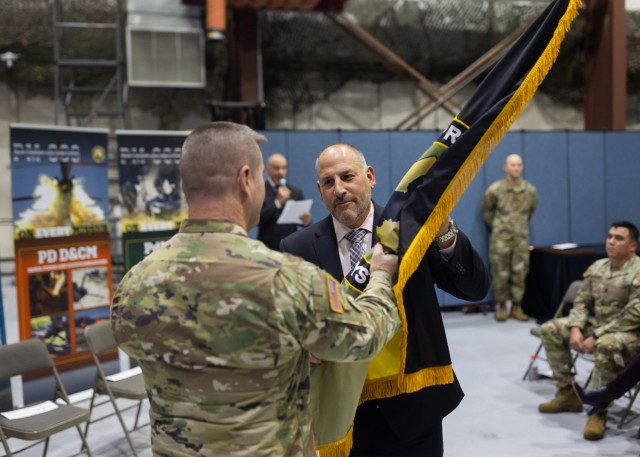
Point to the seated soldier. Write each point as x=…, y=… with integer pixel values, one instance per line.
x=603, y=322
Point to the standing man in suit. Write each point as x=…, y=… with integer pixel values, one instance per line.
x=277, y=193
x=405, y=425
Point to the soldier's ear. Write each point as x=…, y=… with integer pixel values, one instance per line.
x=243, y=179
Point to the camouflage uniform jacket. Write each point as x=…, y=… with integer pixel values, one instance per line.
x=223, y=327
x=507, y=209
x=609, y=299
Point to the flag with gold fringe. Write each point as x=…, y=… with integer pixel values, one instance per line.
x=411, y=219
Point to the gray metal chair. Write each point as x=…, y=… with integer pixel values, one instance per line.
x=27, y=357
x=567, y=299
x=631, y=397
x=100, y=339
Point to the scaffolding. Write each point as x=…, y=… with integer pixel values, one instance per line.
x=88, y=78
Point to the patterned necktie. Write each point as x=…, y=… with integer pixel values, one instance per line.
x=356, y=251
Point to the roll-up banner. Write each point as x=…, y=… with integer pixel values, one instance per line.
x=151, y=194
x=61, y=235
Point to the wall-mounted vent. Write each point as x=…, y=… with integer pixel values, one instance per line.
x=165, y=44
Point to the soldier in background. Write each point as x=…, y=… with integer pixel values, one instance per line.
x=224, y=328
x=604, y=321
x=507, y=208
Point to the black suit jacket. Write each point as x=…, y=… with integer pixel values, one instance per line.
x=269, y=232
x=464, y=275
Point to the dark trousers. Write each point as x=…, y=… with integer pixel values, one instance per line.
x=372, y=437
x=627, y=378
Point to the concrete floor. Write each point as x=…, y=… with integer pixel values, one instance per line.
x=499, y=415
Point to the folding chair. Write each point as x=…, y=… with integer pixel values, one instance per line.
x=568, y=298
x=100, y=339
x=39, y=421
x=631, y=395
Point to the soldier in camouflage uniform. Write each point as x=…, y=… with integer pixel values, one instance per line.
x=507, y=207
x=604, y=321
x=224, y=327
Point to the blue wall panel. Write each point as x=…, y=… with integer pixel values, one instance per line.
x=276, y=142
x=547, y=167
x=622, y=176
x=586, y=187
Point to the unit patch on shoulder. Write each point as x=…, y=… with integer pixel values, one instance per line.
x=334, y=296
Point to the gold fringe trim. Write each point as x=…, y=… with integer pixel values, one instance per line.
x=339, y=448
x=409, y=383
x=423, y=239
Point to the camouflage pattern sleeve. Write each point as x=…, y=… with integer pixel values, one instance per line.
x=583, y=305
x=608, y=299
x=330, y=323
x=534, y=200
x=489, y=202
x=120, y=315
x=627, y=320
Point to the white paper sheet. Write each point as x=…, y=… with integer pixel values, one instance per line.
x=29, y=411
x=563, y=246
x=293, y=209
x=124, y=374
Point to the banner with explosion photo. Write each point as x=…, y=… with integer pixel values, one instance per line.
x=61, y=235
x=152, y=201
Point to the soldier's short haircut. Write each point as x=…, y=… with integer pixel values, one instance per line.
x=633, y=230
x=213, y=153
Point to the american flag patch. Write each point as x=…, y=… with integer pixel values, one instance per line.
x=334, y=297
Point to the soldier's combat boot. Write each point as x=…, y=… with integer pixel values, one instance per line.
x=594, y=429
x=517, y=313
x=501, y=312
x=566, y=400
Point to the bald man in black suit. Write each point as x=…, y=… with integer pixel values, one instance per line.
x=277, y=193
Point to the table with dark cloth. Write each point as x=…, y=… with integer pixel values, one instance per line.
x=550, y=273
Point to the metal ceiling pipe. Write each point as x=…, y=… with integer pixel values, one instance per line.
x=216, y=19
